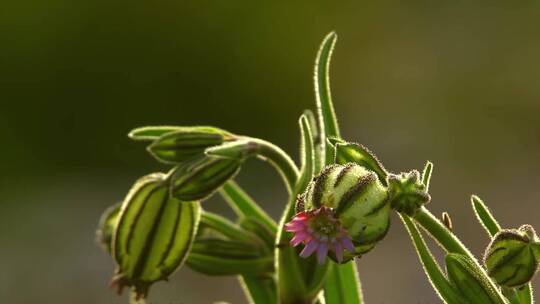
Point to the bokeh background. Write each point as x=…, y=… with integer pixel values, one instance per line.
x=456, y=82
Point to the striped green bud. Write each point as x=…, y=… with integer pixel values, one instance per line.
x=153, y=235
x=471, y=281
x=201, y=177
x=358, y=200
x=512, y=256
x=407, y=192
x=222, y=247
x=184, y=143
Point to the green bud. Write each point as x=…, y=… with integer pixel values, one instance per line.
x=154, y=234
x=471, y=281
x=358, y=199
x=186, y=142
x=237, y=149
x=512, y=256
x=407, y=192
x=107, y=224
x=201, y=177
x=225, y=248
x=151, y=133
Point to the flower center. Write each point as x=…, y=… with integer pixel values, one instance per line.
x=324, y=225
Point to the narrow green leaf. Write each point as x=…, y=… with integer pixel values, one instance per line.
x=318, y=144
x=444, y=237
x=466, y=275
x=329, y=128
x=201, y=177
x=151, y=133
x=356, y=153
x=244, y=206
x=154, y=234
x=340, y=288
x=307, y=154
x=444, y=289
x=484, y=216
x=426, y=174
x=325, y=107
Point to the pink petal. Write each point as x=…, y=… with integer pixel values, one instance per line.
x=293, y=227
x=299, y=238
x=322, y=251
x=346, y=242
x=338, y=250
x=310, y=247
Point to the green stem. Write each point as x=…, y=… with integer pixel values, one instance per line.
x=280, y=160
x=440, y=232
x=226, y=227
x=244, y=206
x=343, y=285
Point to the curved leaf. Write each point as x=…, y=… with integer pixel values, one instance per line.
x=436, y=277
x=484, y=216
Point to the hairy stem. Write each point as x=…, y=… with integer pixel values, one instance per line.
x=440, y=232
x=280, y=160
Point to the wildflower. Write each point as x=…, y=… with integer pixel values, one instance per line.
x=320, y=231
x=343, y=213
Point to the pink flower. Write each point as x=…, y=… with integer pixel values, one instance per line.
x=320, y=231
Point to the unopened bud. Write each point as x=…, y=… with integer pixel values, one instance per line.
x=187, y=142
x=512, y=256
x=201, y=177
x=469, y=279
x=153, y=235
x=407, y=192
x=344, y=208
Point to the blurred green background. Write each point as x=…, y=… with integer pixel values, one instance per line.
x=457, y=83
